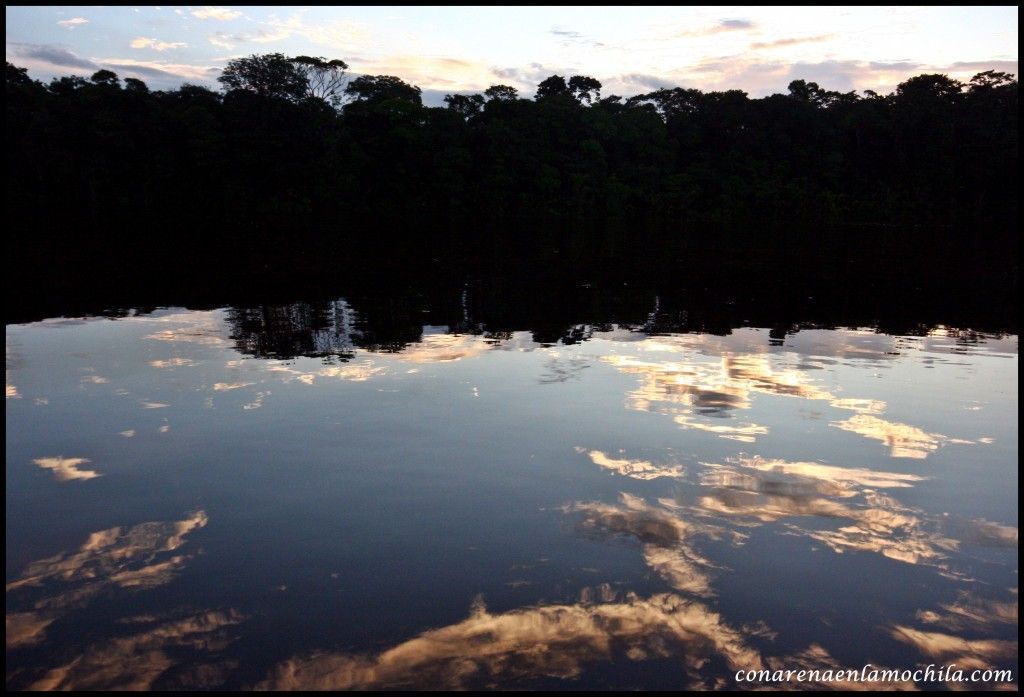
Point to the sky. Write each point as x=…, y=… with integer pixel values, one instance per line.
x=443, y=50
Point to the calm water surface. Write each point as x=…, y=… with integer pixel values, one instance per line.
x=280, y=498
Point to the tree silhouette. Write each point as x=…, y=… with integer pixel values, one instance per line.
x=501, y=93
x=584, y=88
x=268, y=75
x=270, y=175
x=929, y=86
x=132, y=84
x=324, y=78
x=466, y=105
x=990, y=79
x=381, y=88
x=105, y=77
x=552, y=86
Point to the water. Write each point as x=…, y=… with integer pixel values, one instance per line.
x=293, y=497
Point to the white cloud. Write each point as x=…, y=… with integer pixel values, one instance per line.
x=156, y=44
x=172, y=74
x=341, y=34
x=791, y=41
x=221, y=14
x=722, y=26
x=220, y=40
x=73, y=22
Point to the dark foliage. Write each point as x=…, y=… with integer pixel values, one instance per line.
x=285, y=173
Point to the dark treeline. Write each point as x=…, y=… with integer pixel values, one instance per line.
x=295, y=169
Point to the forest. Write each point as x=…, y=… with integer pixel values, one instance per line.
x=296, y=169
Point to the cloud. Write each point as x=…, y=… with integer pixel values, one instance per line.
x=134, y=559
x=700, y=394
x=902, y=439
x=965, y=653
x=981, y=66
x=257, y=403
x=222, y=386
x=200, y=327
x=220, y=14
x=767, y=76
x=354, y=372
x=653, y=82
x=963, y=620
x=636, y=469
x=262, y=36
x=183, y=71
x=745, y=433
x=444, y=348
x=568, y=37
x=894, y=65
x=566, y=33
x=52, y=56
x=57, y=60
x=25, y=628
x=221, y=40
x=172, y=362
x=665, y=538
x=341, y=34
x=791, y=41
x=723, y=25
x=972, y=613
x=66, y=469
x=549, y=640
x=155, y=44
x=818, y=663
x=137, y=661
x=735, y=24
x=771, y=490
x=115, y=556
x=73, y=22
x=844, y=479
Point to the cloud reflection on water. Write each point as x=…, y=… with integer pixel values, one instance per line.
x=66, y=469
x=545, y=641
x=142, y=556
x=705, y=384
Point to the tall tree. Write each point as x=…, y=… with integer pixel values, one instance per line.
x=324, y=78
x=466, y=105
x=585, y=88
x=501, y=93
x=106, y=77
x=552, y=86
x=269, y=75
x=380, y=88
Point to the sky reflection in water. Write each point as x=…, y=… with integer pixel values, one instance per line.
x=248, y=498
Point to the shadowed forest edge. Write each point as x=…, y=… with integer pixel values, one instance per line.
x=298, y=177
